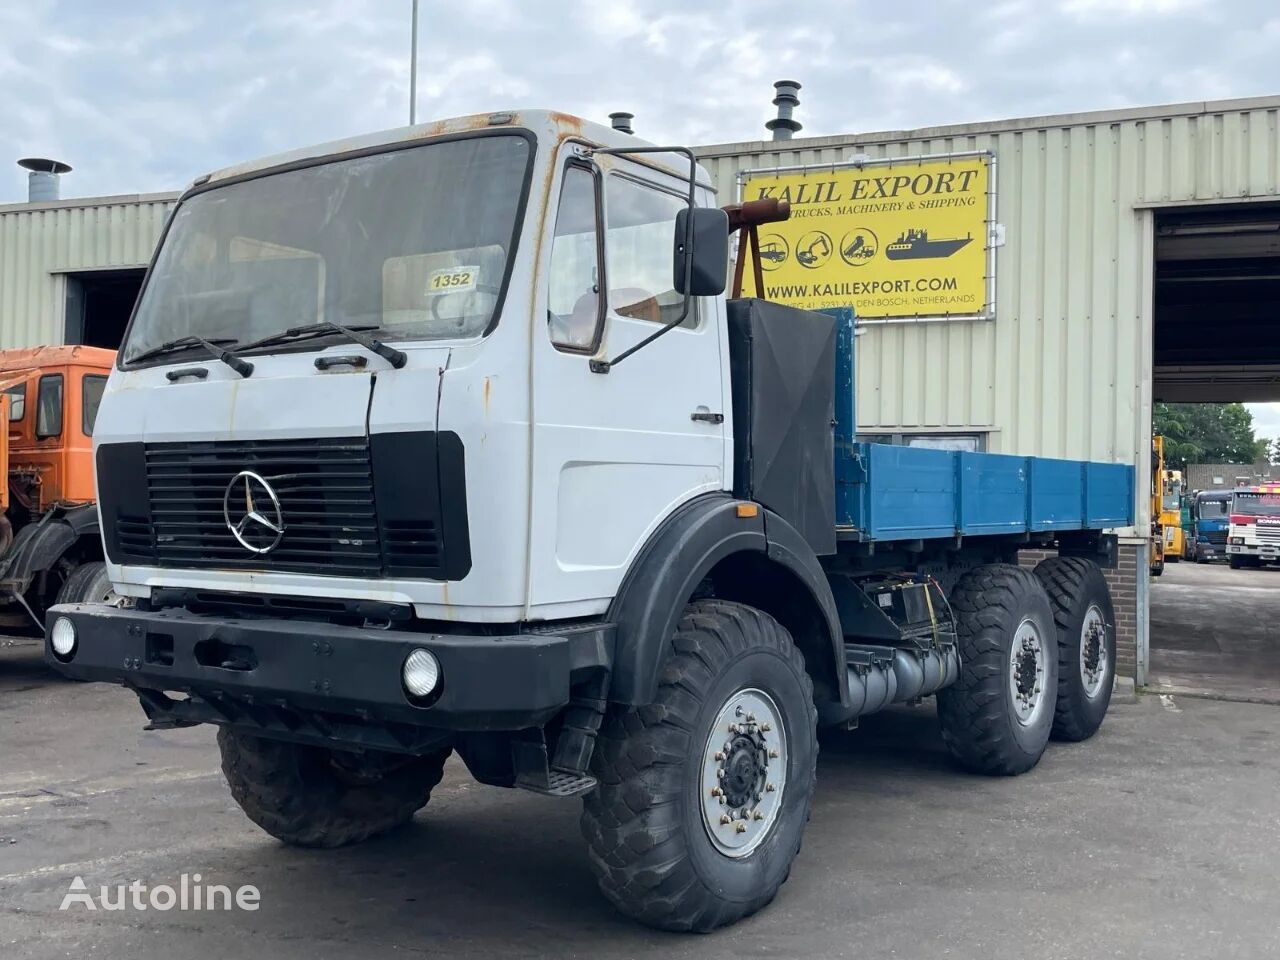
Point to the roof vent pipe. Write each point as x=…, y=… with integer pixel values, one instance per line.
x=43, y=178
x=621, y=121
x=786, y=100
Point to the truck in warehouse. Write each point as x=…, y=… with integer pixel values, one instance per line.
x=447, y=440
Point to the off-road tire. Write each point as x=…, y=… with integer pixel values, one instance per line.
x=1074, y=585
x=87, y=583
x=980, y=726
x=649, y=848
x=298, y=795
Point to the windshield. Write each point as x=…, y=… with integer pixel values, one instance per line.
x=414, y=241
x=1212, y=509
x=1256, y=504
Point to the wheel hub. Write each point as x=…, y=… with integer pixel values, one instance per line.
x=1093, y=652
x=1027, y=670
x=743, y=773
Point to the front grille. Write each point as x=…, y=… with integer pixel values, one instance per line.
x=326, y=497
x=1216, y=538
x=1268, y=534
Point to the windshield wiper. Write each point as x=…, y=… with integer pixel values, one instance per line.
x=397, y=358
x=239, y=365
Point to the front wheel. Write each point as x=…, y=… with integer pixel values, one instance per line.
x=313, y=797
x=704, y=793
x=87, y=583
x=997, y=716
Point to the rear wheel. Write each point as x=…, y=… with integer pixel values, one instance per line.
x=1085, y=619
x=313, y=797
x=997, y=717
x=704, y=793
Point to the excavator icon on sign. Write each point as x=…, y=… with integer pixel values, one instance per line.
x=814, y=249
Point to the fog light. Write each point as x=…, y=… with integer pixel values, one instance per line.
x=63, y=637
x=421, y=673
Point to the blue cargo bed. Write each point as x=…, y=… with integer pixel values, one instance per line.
x=892, y=493
x=888, y=493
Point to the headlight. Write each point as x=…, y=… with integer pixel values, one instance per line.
x=63, y=638
x=421, y=673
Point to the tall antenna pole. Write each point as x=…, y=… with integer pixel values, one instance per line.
x=413, y=69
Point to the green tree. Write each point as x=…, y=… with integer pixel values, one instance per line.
x=1207, y=433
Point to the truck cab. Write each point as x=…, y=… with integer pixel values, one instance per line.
x=1254, y=534
x=1207, y=532
x=447, y=440
x=49, y=534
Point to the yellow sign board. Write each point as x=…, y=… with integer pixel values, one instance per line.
x=894, y=239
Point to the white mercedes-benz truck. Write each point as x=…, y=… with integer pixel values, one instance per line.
x=447, y=440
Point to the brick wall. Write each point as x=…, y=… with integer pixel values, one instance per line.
x=1123, y=583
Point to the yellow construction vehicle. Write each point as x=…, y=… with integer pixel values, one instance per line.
x=1157, y=505
x=1171, y=513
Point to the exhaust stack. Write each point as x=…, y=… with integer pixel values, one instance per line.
x=44, y=178
x=783, y=126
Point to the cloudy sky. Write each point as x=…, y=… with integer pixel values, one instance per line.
x=144, y=95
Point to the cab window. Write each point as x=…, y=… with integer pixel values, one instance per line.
x=92, y=388
x=49, y=406
x=638, y=243
x=17, y=401
x=574, y=308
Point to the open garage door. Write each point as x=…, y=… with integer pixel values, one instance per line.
x=1216, y=339
x=99, y=304
x=1217, y=304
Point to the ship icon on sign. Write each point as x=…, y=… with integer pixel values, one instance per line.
x=916, y=245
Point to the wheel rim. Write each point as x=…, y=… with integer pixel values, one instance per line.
x=744, y=773
x=1028, y=670
x=1093, y=652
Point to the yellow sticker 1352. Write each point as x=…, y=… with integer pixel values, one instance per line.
x=452, y=280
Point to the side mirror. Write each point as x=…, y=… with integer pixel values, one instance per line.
x=706, y=259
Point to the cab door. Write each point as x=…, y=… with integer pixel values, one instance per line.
x=615, y=453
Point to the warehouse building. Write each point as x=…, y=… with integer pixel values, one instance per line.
x=1112, y=260
x=70, y=270
x=1132, y=256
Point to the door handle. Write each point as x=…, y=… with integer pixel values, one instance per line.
x=705, y=416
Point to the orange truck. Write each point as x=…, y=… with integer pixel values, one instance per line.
x=50, y=548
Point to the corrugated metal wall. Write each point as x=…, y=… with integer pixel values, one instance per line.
x=39, y=243
x=1065, y=369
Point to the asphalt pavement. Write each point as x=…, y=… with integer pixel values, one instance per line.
x=1216, y=631
x=1160, y=838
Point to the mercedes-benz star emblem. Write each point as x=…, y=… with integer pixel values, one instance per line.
x=261, y=524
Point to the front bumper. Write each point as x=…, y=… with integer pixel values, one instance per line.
x=318, y=682
x=1266, y=551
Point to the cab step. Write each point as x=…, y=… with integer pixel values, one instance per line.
x=558, y=783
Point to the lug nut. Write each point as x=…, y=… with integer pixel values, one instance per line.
x=740, y=826
x=716, y=791
x=725, y=819
x=765, y=728
x=757, y=815
x=719, y=755
x=773, y=754
x=720, y=774
x=769, y=788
